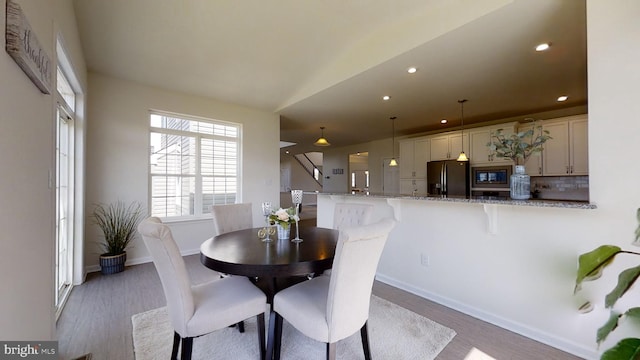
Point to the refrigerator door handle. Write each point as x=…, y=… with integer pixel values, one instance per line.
x=444, y=179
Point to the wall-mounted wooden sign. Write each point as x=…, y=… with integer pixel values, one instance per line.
x=24, y=48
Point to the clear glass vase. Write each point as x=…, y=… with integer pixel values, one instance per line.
x=283, y=233
x=520, y=184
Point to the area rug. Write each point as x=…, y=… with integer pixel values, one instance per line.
x=394, y=333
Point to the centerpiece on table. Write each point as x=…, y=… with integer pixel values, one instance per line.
x=283, y=218
x=519, y=147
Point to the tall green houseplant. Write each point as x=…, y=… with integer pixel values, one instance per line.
x=118, y=223
x=590, y=267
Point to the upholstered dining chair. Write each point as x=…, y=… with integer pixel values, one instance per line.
x=331, y=308
x=201, y=309
x=348, y=214
x=231, y=217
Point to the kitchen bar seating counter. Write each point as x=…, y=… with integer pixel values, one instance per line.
x=474, y=200
x=506, y=262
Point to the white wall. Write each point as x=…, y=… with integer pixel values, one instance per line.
x=522, y=278
x=118, y=153
x=295, y=176
x=27, y=214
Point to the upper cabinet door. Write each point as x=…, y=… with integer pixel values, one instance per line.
x=440, y=148
x=422, y=154
x=480, y=137
x=533, y=166
x=556, y=150
x=479, y=150
x=414, y=154
x=579, y=135
x=567, y=153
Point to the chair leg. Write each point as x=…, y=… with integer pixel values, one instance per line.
x=277, y=337
x=260, y=319
x=331, y=351
x=176, y=345
x=365, y=342
x=187, y=347
x=241, y=327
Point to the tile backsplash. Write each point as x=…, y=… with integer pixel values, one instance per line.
x=560, y=187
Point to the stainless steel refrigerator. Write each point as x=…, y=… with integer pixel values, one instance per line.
x=448, y=177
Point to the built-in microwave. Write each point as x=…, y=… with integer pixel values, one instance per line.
x=490, y=177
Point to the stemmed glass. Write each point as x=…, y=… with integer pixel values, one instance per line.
x=266, y=211
x=296, y=198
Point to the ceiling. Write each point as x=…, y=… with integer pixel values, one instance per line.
x=328, y=63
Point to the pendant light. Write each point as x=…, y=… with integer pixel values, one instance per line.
x=393, y=161
x=321, y=140
x=462, y=156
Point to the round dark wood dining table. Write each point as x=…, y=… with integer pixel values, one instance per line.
x=243, y=253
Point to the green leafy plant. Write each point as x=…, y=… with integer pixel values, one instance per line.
x=519, y=146
x=118, y=223
x=590, y=267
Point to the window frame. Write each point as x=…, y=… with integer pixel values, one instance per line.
x=198, y=212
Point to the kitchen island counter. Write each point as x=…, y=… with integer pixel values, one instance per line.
x=509, y=262
x=477, y=200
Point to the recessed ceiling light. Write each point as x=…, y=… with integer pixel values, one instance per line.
x=443, y=121
x=412, y=70
x=543, y=47
x=563, y=98
x=386, y=97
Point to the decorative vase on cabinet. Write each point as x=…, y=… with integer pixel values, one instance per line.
x=520, y=184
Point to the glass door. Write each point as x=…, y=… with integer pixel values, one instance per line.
x=64, y=205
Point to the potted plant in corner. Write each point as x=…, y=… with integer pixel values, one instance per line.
x=118, y=223
x=590, y=267
x=518, y=147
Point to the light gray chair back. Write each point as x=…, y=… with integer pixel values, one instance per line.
x=348, y=215
x=171, y=269
x=332, y=308
x=232, y=217
x=354, y=268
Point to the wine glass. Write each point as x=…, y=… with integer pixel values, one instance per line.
x=296, y=198
x=266, y=211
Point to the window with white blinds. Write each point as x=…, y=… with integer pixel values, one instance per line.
x=194, y=164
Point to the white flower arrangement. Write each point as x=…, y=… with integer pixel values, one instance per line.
x=283, y=217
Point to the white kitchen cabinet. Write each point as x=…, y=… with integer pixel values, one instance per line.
x=480, y=154
x=414, y=155
x=448, y=146
x=579, y=146
x=533, y=166
x=566, y=153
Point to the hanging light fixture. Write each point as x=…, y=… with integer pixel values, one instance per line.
x=393, y=161
x=462, y=156
x=321, y=140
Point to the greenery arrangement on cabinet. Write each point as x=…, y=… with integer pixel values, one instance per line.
x=118, y=223
x=519, y=146
x=590, y=267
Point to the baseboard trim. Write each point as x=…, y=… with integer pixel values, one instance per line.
x=518, y=328
x=140, y=260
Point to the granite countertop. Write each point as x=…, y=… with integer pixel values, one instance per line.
x=569, y=204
